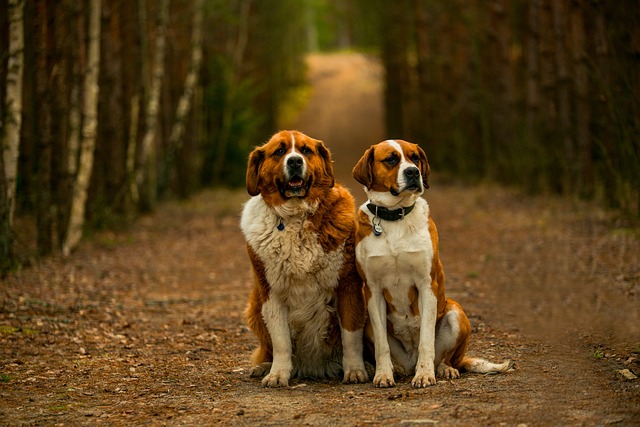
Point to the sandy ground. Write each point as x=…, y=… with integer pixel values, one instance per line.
x=145, y=325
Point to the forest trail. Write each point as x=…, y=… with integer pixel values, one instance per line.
x=145, y=325
x=344, y=110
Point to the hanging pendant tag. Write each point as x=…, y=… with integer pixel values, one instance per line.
x=377, y=228
x=280, y=225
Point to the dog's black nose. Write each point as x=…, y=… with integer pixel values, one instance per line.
x=294, y=162
x=412, y=173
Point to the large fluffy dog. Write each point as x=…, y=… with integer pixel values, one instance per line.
x=306, y=306
x=412, y=326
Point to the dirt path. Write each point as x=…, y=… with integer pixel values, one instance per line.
x=144, y=326
x=344, y=110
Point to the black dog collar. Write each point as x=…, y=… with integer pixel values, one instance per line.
x=388, y=214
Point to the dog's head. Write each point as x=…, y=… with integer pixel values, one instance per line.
x=290, y=165
x=393, y=170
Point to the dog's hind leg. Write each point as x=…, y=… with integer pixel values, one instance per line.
x=452, y=338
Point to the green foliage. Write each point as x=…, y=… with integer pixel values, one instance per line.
x=232, y=123
x=598, y=353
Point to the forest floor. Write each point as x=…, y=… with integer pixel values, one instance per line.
x=144, y=325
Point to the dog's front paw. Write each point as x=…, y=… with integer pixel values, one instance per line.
x=448, y=372
x=384, y=379
x=354, y=376
x=260, y=370
x=276, y=379
x=423, y=379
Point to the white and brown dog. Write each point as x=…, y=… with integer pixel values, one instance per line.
x=306, y=306
x=411, y=325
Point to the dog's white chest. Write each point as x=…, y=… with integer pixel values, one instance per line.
x=293, y=258
x=401, y=256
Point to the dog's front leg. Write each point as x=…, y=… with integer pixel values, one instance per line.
x=377, y=307
x=425, y=372
x=276, y=317
x=352, y=362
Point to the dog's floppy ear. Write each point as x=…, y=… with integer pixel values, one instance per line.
x=253, y=171
x=325, y=154
x=363, y=170
x=424, y=167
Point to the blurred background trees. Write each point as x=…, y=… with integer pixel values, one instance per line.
x=542, y=94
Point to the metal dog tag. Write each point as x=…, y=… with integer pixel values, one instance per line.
x=377, y=228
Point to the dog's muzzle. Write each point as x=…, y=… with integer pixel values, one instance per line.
x=295, y=184
x=412, y=182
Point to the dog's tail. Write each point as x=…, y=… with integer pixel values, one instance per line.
x=481, y=366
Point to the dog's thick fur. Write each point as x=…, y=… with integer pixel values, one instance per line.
x=306, y=306
x=413, y=328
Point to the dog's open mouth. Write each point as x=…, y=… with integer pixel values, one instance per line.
x=294, y=187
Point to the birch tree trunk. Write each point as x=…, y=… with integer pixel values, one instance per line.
x=184, y=104
x=11, y=131
x=89, y=127
x=13, y=103
x=146, y=175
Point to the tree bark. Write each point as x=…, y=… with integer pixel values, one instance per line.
x=533, y=69
x=424, y=66
x=89, y=127
x=501, y=103
x=13, y=103
x=44, y=214
x=563, y=86
x=582, y=108
x=11, y=132
x=184, y=104
x=395, y=39
x=146, y=176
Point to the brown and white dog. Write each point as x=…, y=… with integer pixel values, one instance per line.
x=306, y=306
x=413, y=327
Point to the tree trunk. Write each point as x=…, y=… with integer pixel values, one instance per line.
x=89, y=127
x=146, y=176
x=11, y=132
x=13, y=103
x=395, y=39
x=563, y=87
x=501, y=103
x=184, y=104
x=75, y=113
x=109, y=175
x=44, y=214
x=532, y=70
x=60, y=97
x=424, y=66
x=583, y=111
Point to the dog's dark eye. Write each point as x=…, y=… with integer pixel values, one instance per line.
x=306, y=150
x=279, y=152
x=415, y=158
x=391, y=161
